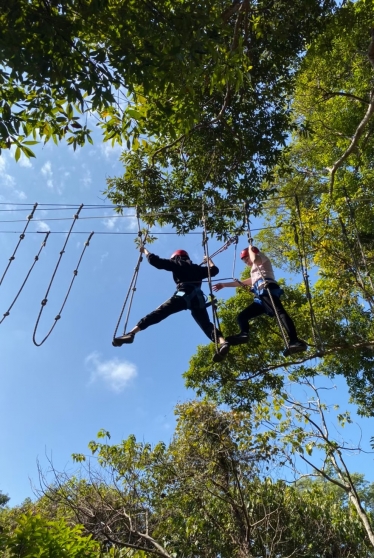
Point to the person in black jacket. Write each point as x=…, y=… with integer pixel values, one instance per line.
x=188, y=296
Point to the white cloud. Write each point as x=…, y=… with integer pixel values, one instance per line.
x=20, y=194
x=131, y=222
x=116, y=374
x=24, y=161
x=103, y=257
x=47, y=169
x=86, y=180
x=41, y=226
x=110, y=222
x=109, y=151
x=8, y=180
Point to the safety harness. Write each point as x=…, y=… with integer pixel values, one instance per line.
x=194, y=299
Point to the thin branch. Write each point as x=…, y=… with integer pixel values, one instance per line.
x=329, y=94
x=318, y=354
x=358, y=133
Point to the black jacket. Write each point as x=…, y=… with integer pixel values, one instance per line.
x=186, y=274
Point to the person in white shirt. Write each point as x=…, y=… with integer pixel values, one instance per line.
x=262, y=281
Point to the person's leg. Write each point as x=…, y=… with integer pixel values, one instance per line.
x=171, y=306
x=295, y=344
x=252, y=311
x=284, y=317
x=201, y=317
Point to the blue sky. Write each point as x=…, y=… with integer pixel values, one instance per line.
x=55, y=398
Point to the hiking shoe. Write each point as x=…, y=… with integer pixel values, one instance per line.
x=238, y=339
x=127, y=338
x=297, y=346
x=222, y=352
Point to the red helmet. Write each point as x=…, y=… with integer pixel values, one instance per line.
x=245, y=253
x=181, y=253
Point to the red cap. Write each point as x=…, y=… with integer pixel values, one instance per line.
x=245, y=253
x=182, y=253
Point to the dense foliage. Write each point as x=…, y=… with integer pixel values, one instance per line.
x=214, y=491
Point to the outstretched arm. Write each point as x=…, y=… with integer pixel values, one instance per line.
x=219, y=286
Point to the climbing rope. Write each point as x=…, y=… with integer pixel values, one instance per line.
x=132, y=287
x=229, y=241
x=358, y=239
x=304, y=269
x=22, y=236
x=75, y=273
x=360, y=248
x=26, y=278
x=275, y=310
x=357, y=271
x=213, y=299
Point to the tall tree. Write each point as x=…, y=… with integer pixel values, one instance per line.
x=214, y=491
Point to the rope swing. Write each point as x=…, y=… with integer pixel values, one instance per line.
x=75, y=273
x=132, y=287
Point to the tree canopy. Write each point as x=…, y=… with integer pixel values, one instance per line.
x=215, y=490
x=181, y=82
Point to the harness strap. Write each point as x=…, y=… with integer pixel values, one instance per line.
x=196, y=293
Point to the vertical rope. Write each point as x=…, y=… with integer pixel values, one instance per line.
x=212, y=297
x=6, y=314
x=234, y=260
x=22, y=236
x=132, y=287
x=358, y=240
x=359, y=278
x=304, y=269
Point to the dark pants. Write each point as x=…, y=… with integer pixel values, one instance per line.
x=177, y=304
x=255, y=309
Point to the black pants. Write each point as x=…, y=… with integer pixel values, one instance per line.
x=177, y=304
x=255, y=309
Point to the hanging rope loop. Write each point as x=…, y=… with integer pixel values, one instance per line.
x=75, y=273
